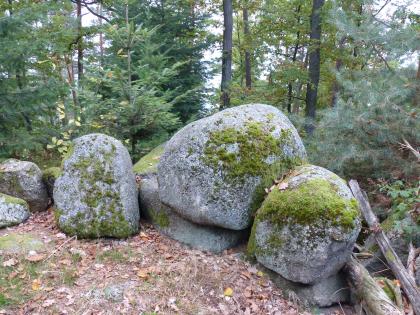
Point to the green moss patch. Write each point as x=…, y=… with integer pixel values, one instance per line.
x=20, y=243
x=255, y=144
x=149, y=162
x=314, y=202
x=160, y=218
x=13, y=200
x=51, y=173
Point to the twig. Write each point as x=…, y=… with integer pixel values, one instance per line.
x=59, y=247
x=407, y=145
x=407, y=281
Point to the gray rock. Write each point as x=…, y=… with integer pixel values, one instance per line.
x=12, y=210
x=417, y=274
x=170, y=223
x=212, y=170
x=325, y=292
x=307, y=226
x=96, y=193
x=22, y=179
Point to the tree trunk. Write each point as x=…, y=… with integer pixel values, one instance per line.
x=338, y=65
x=248, y=80
x=79, y=42
x=295, y=51
x=407, y=281
x=314, y=64
x=227, y=52
x=373, y=299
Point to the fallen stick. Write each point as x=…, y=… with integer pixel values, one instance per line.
x=373, y=299
x=407, y=281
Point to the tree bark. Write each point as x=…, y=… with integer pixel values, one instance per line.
x=248, y=80
x=338, y=65
x=407, y=281
x=314, y=64
x=227, y=52
x=373, y=299
x=295, y=51
x=80, y=41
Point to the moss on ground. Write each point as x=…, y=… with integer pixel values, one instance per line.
x=14, y=200
x=149, y=162
x=16, y=243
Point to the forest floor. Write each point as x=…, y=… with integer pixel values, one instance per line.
x=44, y=272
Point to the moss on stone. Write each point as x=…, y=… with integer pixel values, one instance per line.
x=160, y=218
x=51, y=173
x=148, y=163
x=244, y=152
x=14, y=200
x=314, y=202
x=68, y=154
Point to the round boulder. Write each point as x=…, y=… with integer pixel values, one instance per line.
x=96, y=193
x=212, y=171
x=168, y=222
x=12, y=210
x=306, y=228
x=22, y=179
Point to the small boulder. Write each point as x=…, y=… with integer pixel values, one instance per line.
x=212, y=170
x=22, y=179
x=306, y=228
x=170, y=223
x=96, y=193
x=12, y=210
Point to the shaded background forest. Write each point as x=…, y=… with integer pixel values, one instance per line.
x=140, y=70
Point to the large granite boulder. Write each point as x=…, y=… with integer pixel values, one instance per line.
x=306, y=228
x=22, y=179
x=212, y=171
x=170, y=223
x=12, y=210
x=96, y=193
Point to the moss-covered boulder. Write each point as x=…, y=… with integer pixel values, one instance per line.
x=49, y=177
x=96, y=193
x=22, y=179
x=306, y=228
x=12, y=210
x=148, y=163
x=170, y=223
x=212, y=171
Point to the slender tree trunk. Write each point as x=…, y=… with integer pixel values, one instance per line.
x=296, y=103
x=314, y=64
x=338, y=65
x=101, y=35
x=80, y=41
x=227, y=52
x=295, y=51
x=127, y=22
x=248, y=79
x=239, y=44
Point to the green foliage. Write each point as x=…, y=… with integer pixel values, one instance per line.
x=403, y=217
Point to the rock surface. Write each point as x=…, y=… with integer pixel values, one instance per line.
x=96, y=194
x=12, y=210
x=326, y=292
x=212, y=170
x=148, y=163
x=170, y=223
x=307, y=226
x=22, y=179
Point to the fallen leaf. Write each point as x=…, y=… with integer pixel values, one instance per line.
x=9, y=263
x=36, y=285
x=260, y=273
x=35, y=258
x=48, y=303
x=283, y=185
x=228, y=292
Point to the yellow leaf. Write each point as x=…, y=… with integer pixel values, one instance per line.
x=228, y=292
x=36, y=285
x=78, y=124
x=59, y=142
x=260, y=274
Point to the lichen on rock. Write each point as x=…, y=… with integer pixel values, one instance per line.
x=213, y=170
x=96, y=193
x=306, y=229
x=12, y=210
